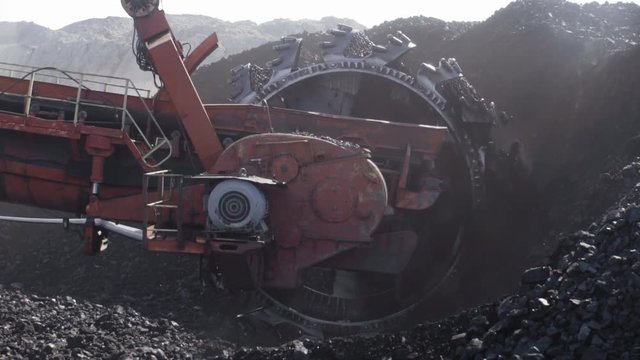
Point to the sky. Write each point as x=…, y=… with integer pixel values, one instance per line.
x=55, y=14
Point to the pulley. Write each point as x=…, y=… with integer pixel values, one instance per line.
x=139, y=8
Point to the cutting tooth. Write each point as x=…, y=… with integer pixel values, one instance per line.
x=288, y=50
x=235, y=70
x=240, y=83
x=288, y=55
x=281, y=47
x=327, y=44
x=336, y=33
x=379, y=48
x=455, y=65
x=430, y=76
x=249, y=81
x=426, y=67
x=394, y=40
x=338, y=49
x=275, y=62
x=444, y=64
x=401, y=35
x=399, y=44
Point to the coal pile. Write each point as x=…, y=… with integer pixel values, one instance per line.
x=584, y=304
x=616, y=24
x=46, y=263
x=38, y=327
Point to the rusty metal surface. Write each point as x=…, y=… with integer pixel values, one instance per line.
x=252, y=119
x=155, y=31
x=174, y=246
x=200, y=53
x=50, y=90
x=326, y=197
x=376, y=135
x=335, y=187
x=191, y=63
x=358, y=78
x=152, y=25
x=334, y=202
x=28, y=169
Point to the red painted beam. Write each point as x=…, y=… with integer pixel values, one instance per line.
x=155, y=32
x=197, y=56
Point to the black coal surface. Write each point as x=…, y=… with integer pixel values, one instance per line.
x=36, y=326
x=568, y=74
x=583, y=304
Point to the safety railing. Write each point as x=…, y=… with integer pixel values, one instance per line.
x=165, y=206
x=95, y=82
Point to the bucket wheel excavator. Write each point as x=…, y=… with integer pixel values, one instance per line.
x=340, y=192
x=431, y=201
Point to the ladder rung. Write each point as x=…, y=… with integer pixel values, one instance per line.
x=164, y=206
x=160, y=204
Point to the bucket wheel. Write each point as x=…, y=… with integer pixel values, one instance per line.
x=358, y=78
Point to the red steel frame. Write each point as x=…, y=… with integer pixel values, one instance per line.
x=54, y=188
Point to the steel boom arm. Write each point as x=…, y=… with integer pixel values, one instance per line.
x=154, y=31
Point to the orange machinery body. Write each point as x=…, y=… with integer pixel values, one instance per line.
x=326, y=198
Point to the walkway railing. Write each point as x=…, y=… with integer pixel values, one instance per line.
x=95, y=82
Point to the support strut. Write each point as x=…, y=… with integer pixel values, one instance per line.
x=153, y=29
